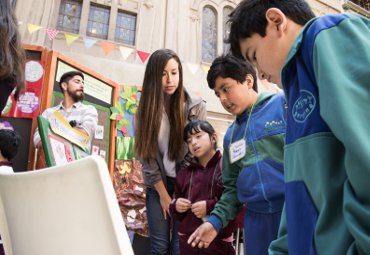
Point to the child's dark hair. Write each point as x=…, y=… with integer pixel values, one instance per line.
x=195, y=126
x=249, y=17
x=9, y=143
x=69, y=75
x=228, y=66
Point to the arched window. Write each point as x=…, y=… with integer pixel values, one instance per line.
x=226, y=27
x=209, y=34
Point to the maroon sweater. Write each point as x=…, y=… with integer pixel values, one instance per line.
x=197, y=183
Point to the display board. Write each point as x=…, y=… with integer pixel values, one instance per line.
x=57, y=149
x=99, y=92
x=21, y=115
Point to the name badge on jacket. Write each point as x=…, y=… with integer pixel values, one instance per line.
x=237, y=150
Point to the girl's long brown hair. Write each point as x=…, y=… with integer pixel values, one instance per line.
x=12, y=55
x=149, y=113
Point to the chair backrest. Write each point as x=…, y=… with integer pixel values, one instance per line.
x=64, y=210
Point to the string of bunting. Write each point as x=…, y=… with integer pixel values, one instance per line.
x=89, y=42
x=106, y=46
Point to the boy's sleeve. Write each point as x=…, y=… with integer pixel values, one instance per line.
x=342, y=69
x=280, y=245
x=228, y=205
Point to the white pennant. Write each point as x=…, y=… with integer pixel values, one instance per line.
x=193, y=67
x=125, y=51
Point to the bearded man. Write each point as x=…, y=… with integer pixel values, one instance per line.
x=80, y=116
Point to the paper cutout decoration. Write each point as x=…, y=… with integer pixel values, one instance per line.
x=32, y=28
x=125, y=51
x=34, y=71
x=89, y=42
x=52, y=33
x=127, y=103
x=124, y=168
x=107, y=47
x=70, y=38
x=143, y=55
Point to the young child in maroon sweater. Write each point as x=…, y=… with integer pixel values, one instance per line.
x=198, y=188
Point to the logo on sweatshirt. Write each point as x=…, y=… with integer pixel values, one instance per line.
x=303, y=106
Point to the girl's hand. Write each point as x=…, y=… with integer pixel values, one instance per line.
x=199, y=208
x=165, y=201
x=182, y=205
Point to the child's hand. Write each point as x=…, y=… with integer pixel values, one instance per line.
x=182, y=205
x=199, y=208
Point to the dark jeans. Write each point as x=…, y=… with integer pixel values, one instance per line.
x=163, y=239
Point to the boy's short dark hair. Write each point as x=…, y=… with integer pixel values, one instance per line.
x=69, y=75
x=195, y=126
x=9, y=143
x=249, y=17
x=228, y=66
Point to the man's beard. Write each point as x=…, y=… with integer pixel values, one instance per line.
x=75, y=97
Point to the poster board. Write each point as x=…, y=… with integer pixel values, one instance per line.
x=22, y=118
x=58, y=151
x=98, y=144
x=99, y=91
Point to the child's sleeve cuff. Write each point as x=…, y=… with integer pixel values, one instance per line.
x=215, y=222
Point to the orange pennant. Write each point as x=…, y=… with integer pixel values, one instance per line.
x=107, y=47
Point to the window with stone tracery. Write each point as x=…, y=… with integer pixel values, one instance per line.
x=98, y=22
x=125, y=28
x=69, y=16
x=209, y=34
x=226, y=27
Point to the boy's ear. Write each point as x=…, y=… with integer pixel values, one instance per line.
x=276, y=19
x=249, y=81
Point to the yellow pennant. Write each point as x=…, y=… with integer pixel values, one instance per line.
x=70, y=38
x=32, y=28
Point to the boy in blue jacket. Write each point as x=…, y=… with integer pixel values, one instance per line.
x=323, y=66
x=252, y=169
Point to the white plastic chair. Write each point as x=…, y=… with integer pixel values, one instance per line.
x=64, y=210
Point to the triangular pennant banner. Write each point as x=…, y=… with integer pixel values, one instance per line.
x=205, y=68
x=89, y=42
x=52, y=33
x=143, y=55
x=32, y=28
x=70, y=38
x=125, y=51
x=193, y=67
x=107, y=47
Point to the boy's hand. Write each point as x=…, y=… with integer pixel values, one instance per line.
x=182, y=205
x=202, y=236
x=199, y=208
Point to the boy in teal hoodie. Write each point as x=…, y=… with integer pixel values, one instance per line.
x=323, y=66
x=252, y=169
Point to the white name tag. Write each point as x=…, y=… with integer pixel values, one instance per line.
x=237, y=150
